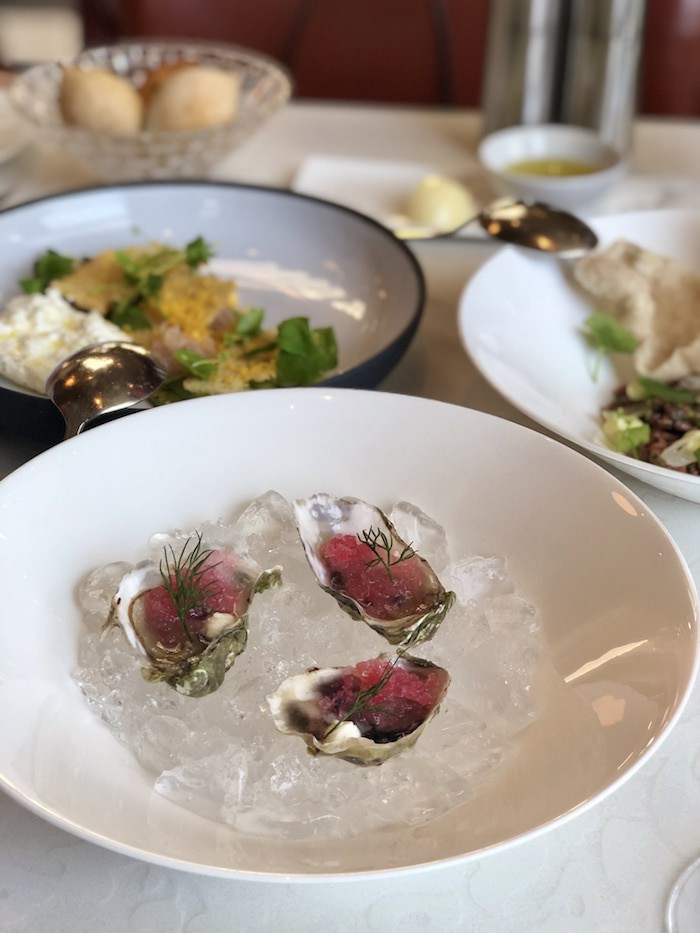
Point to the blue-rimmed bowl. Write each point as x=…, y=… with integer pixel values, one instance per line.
x=287, y=253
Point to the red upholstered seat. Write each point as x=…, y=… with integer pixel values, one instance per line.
x=396, y=51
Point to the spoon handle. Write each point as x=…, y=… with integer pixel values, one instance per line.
x=74, y=426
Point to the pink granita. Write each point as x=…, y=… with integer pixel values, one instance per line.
x=405, y=588
x=221, y=588
x=407, y=697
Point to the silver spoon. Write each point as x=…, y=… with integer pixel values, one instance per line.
x=102, y=378
x=536, y=226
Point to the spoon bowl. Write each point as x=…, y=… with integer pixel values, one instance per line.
x=100, y=379
x=534, y=225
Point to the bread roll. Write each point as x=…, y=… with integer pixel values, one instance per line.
x=193, y=98
x=100, y=100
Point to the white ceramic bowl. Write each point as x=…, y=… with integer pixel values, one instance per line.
x=520, y=319
x=265, y=86
x=345, y=272
x=617, y=602
x=504, y=148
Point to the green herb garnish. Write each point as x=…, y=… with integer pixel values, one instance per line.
x=128, y=313
x=198, y=252
x=172, y=390
x=364, y=696
x=625, y=432
x=606, y=335
x=145, y=272
x=305, y=354
x=250, y=322
x=644, y=388
x=196, y=363
x=381, y=545
x=50, y=266
x=182, y=575
x=257, y=351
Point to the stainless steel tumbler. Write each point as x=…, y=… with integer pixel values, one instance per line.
x=564, y=61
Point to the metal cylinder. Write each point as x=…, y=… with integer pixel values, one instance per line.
x=601, y=67
x=524, y=58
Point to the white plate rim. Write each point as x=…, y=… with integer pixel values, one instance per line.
x=655, y=475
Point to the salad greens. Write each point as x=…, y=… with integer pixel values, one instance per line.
x=50, y=266
x=246, y=355
x=606, y=335
x=625, y=432
x=304, y=354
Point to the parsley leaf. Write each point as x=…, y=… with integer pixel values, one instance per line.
x=304, y=354
x=250, y=322
x=196, y=363
x=606, y=335
x=325, y=343
x=128, y=313
x=198, y=252
x=643, y=388
x=50, y=266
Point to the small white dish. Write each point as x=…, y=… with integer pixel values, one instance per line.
x=620, y=639
x=500, y=151
x=520, y=320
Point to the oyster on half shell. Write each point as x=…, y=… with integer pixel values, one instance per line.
x=359, y=558
x=187, y=616
x=364, y=713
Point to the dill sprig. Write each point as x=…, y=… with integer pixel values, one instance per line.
x=381, y=545
x=364, y=696
x=182, y=578
x=369, y=693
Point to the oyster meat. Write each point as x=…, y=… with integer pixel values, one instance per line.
x=187, y=616
x=364, y=714
x=358, y=557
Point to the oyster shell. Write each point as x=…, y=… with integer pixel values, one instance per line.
x=365, y=713
x=358, y=557
x=189, y=632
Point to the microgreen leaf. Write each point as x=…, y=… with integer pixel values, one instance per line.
x=198, y=252
x=304, y=354
x=256, y=351
x=128, y=313
x=196, y=363
x=250, y=322
x=665, y=392
x=606, y=335
x=325, y=342
x=172, y=390
x=50, y=266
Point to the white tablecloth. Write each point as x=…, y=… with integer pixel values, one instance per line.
x=608, y=869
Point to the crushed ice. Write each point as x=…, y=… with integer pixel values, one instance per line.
x=221, y=755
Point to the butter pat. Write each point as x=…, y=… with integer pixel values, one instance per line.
x=441, y=203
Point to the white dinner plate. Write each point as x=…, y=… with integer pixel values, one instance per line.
x=615, y=599
x=521, y=322
x=288, y=254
